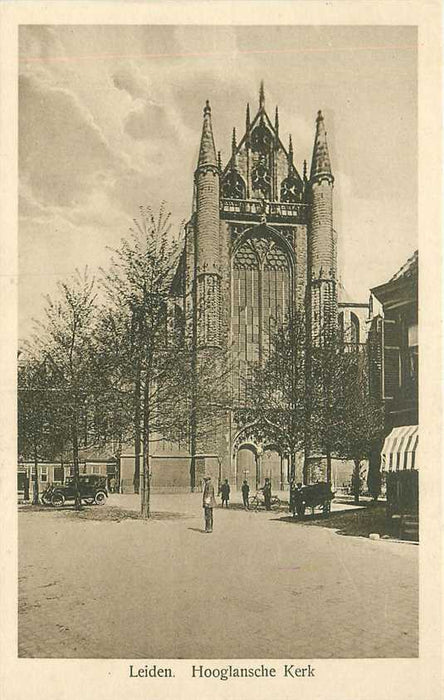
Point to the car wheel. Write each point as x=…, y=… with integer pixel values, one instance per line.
x=57, y=499
x=100, y=498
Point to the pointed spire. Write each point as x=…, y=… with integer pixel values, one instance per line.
x=261, y=96
x=290, y=150
x=207, y=153
x=233, y=148
x=247, y=119
x=320, y=164
x=276, y=121
x=304, y=172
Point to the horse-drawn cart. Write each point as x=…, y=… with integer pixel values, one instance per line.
x=314, y=496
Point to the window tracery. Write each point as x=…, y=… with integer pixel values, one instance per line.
x=261, y=288
x=261, y=178
x=291, y=190
x=233, y=186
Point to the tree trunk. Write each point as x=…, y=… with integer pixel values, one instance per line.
x=306, y=467
x=356, y=480
x=35, y=480
x=137, y=432
x=146, y=485
x=328, y=456
x=75, y=459
x=292, y=465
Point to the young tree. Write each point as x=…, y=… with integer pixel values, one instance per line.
x=276, y=390
x=328, y=380
x=361, y=420
x=65, y=342
x=150, y=370
x=36, y=410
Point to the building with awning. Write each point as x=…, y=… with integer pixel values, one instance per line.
x=399, y=449
x=394, y=352
x=400, y=464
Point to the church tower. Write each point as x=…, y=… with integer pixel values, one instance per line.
x=322, y=266
x=207, y=264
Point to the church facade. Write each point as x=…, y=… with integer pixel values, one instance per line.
x=260, y=245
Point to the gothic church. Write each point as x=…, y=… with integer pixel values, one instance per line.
x=260, y=243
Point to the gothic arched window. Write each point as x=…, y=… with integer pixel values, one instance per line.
x=261, y=138
x=291, y=190
x=261, y=288
x=354, y=329
x=233, y=186
x=261, y=178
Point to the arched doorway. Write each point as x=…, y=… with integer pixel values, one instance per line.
x=272, y=467
x=246, y=466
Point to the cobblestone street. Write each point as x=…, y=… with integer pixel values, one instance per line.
x=260, y=586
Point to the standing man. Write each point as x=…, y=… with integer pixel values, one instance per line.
x=225, y=493
x=266, y=490
x=299, y=500
x=245, y=493
x=208, y=503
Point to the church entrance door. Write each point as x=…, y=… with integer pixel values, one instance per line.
x=246, y=466
x=272, y=468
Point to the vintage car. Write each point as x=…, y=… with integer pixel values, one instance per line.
x=91, y=486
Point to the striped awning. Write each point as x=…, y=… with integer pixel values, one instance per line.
x=399, y=451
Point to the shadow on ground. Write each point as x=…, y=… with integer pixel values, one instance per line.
x=101, y=513
x=357, y=523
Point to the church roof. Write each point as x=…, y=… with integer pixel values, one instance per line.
x=262, y=117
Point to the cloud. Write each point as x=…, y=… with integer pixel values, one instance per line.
x=130, y=79
x=62, y=151
x=150, y=120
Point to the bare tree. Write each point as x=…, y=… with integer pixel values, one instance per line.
x=276, y=390
x=150, y=370
x=37, y=408
x=65, y=342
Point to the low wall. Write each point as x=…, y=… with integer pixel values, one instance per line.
x=169, y=474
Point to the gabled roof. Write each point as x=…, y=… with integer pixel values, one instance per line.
x=403, y=286
x=409, y=269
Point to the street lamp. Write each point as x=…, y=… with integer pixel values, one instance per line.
x=259, y=453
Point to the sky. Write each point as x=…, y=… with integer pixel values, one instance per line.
x=110, y=119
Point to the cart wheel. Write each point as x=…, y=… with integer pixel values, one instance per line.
x=276, y=503
x=253, y=504
x=100, y=498
x=57, y=499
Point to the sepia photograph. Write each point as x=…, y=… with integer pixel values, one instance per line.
x=217, y=361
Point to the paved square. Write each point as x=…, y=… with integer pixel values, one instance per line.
x=259, y=586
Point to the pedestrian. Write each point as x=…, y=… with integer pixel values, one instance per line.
x=225, y=493
x=299, y=500
x=245, y=493
x=208, y=503
x=266, y=490
x=112, y=484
